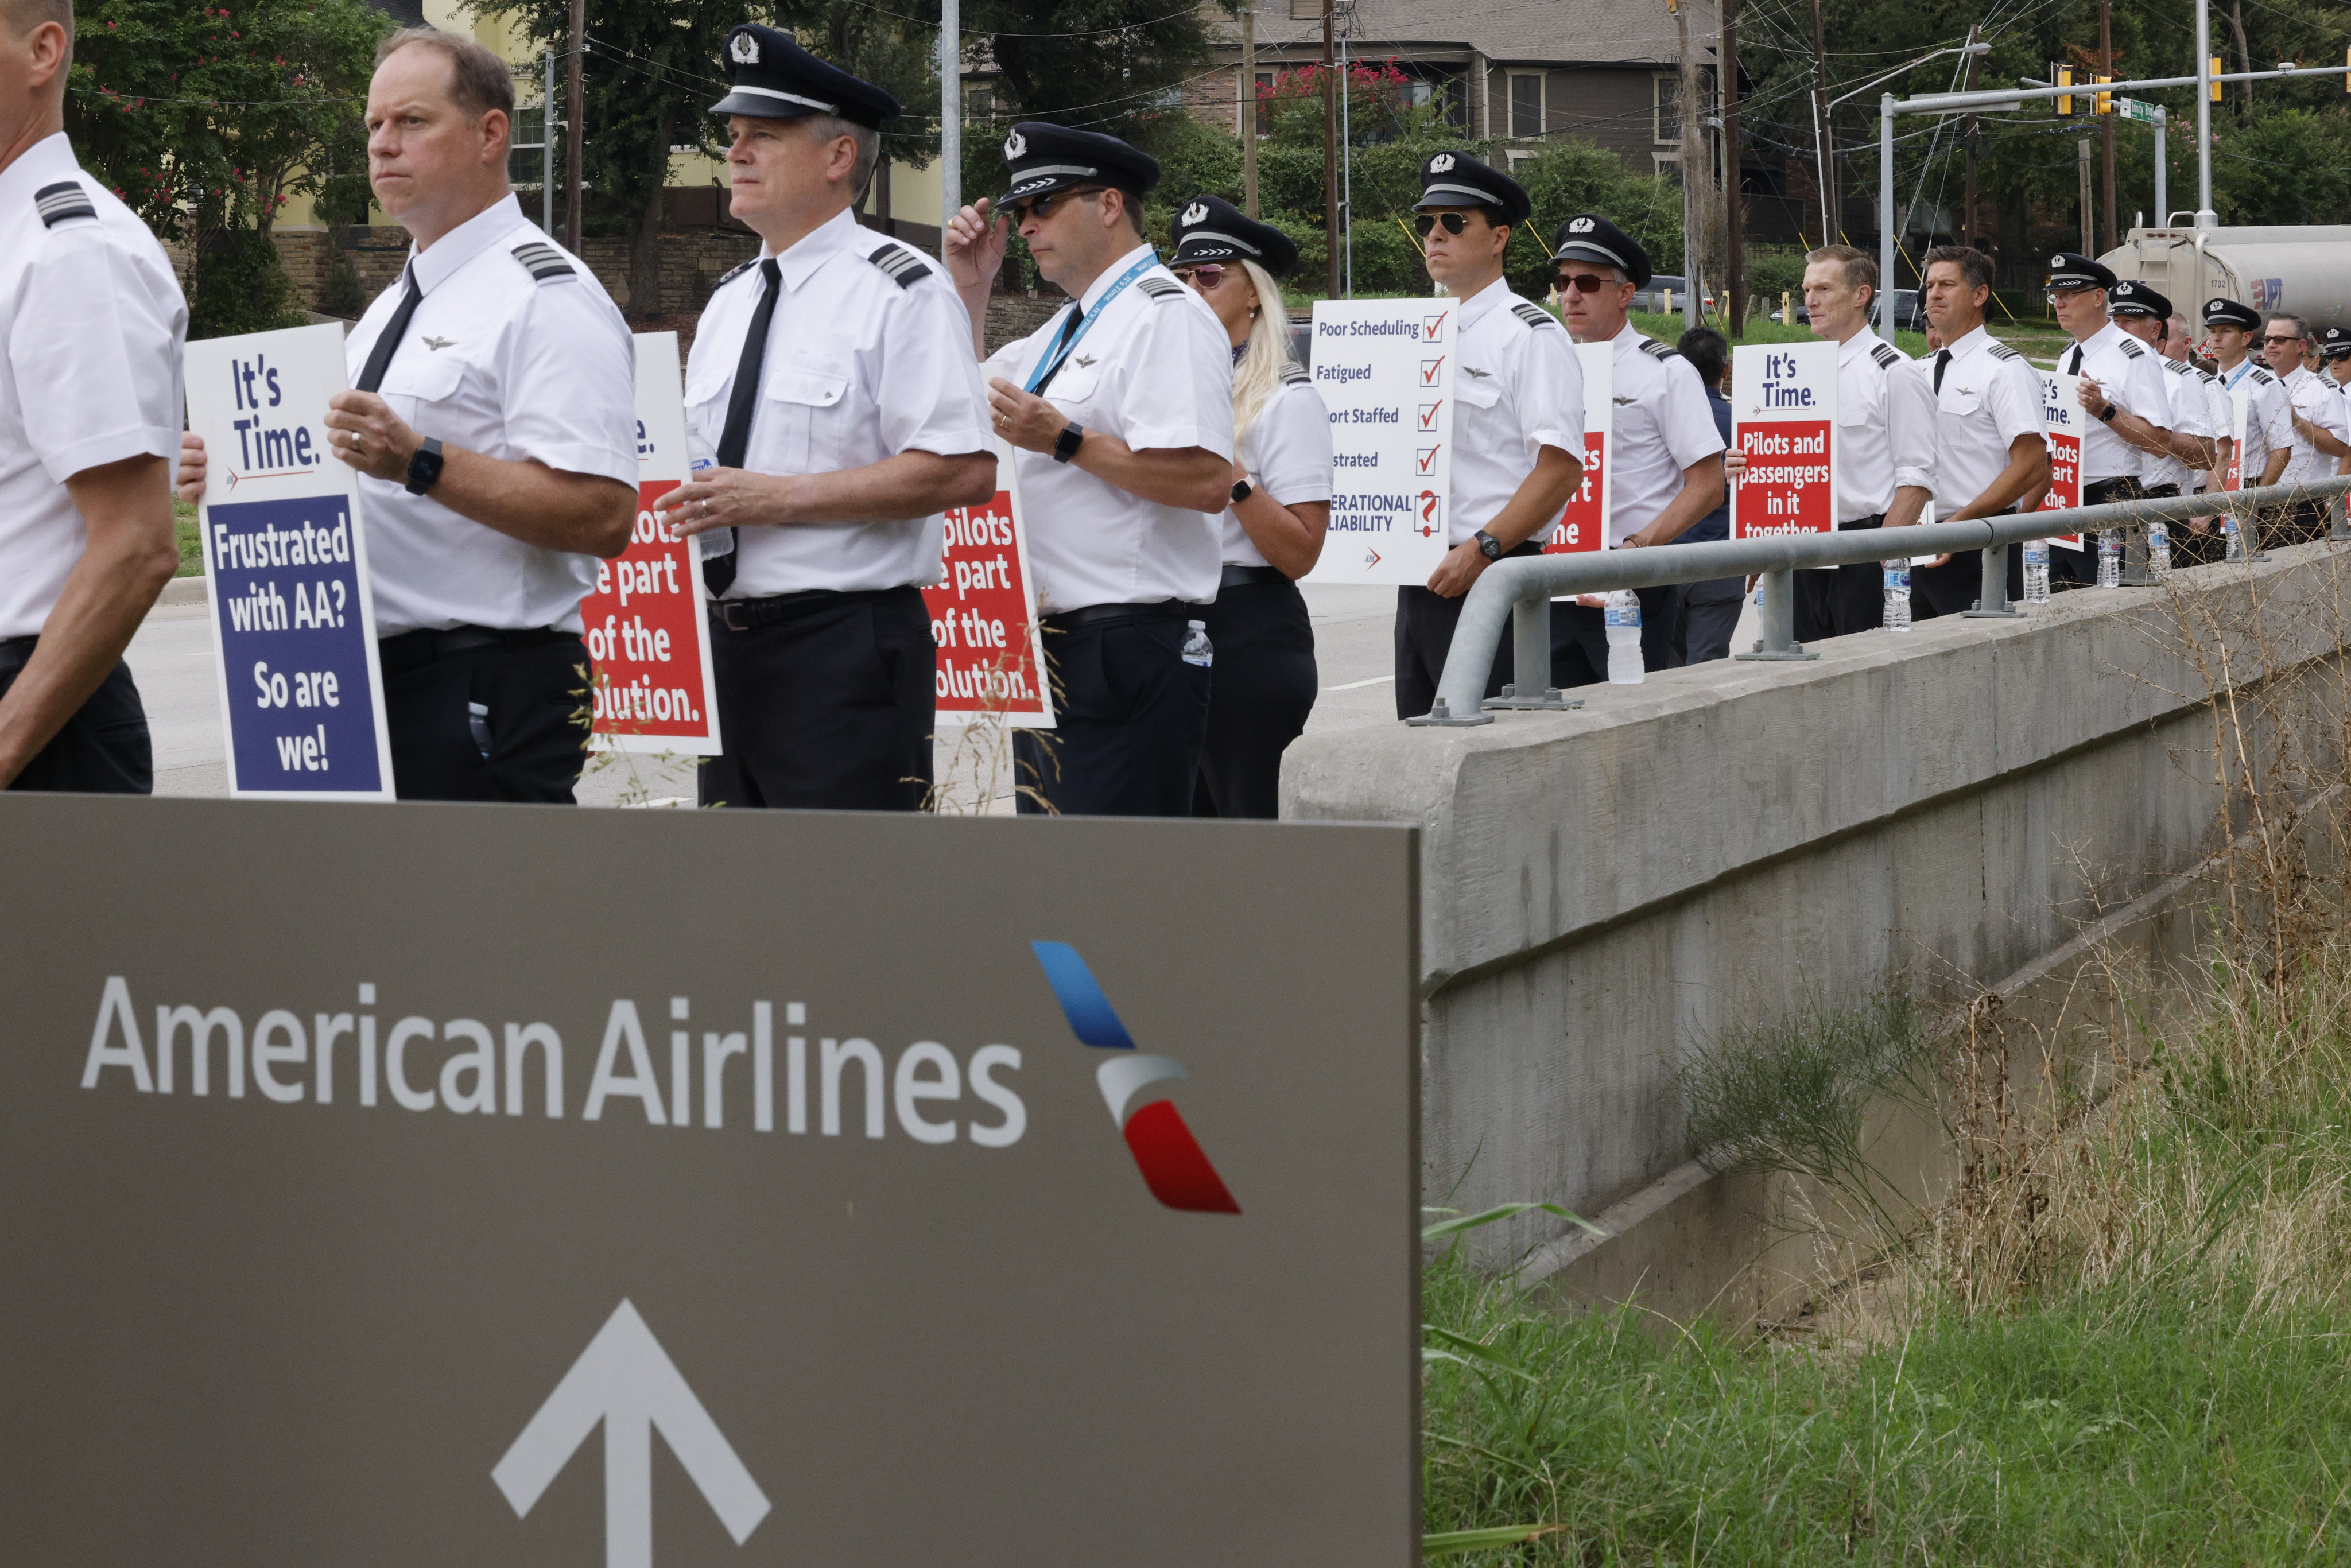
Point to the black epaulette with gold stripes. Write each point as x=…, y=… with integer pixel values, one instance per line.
x=1887, y=355
x=543, y=261
x=1533, y=315
x=905, y=267
x=1658, y=350
x=1162, y=288
x=2002, y=351
x=62, y=202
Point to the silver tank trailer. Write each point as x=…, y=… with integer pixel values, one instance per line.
x=2303, y=269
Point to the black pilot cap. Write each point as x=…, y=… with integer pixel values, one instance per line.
x=1210, y=228
x=1045, y=157
x=1588, y=237
x=775, y=78
x=2228, y=313
x=2067, y=270
x=2132, y=298
x=1458, y=179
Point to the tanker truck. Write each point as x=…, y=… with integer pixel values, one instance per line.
x=2303, y=269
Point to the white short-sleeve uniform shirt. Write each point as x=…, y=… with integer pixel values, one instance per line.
x=1885, y=426
x=2269, y=417
x=1517, y=388
x=517, y=357
x=2319, y=401
x=1155, y=370
x=94, y=325
x=2131, y=375
x=2191, y=414
x=868, y=356
x=1989, y=395
x=1287, y=450
x=1663, y=424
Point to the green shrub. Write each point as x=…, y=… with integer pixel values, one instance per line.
x=240, y=286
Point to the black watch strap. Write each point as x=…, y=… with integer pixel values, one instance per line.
x=1065, y=446
x=1487, y=544
x=424, y=468
x=1243, y=491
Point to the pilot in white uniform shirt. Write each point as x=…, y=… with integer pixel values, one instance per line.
x=1885, y=442
x=93, y=325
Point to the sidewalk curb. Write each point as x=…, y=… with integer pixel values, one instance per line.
x=182, y=591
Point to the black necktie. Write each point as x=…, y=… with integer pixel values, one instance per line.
x=2075, y=368
x=742, y=403
x=380, y=357
x=1061, y=346
x=1942, y=363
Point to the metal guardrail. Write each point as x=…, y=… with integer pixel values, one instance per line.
x=1521, y=588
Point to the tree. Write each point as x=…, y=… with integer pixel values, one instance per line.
x=208, y=120
x=1091, y=62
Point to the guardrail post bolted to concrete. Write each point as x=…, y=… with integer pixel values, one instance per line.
x=2135, y=572
x=1992, y=599
x=1531, y=659
x=1779, y=639
x=2337, y=528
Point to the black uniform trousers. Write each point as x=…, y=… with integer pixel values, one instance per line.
x=484, y=714
x=1424, y=635
x=826, y=701
x=1264, y=687
x=103, y=749
x=1706, y=617
x=1579, y=637
x=1954, y=587
x=1130, y=716
x=1837, y=601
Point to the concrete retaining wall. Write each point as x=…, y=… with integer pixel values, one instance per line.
x=1960, y=804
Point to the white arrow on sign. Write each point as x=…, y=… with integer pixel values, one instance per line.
x=627, y=1381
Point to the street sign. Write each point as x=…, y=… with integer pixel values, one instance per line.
x=929, y=1190
x=2136, y=109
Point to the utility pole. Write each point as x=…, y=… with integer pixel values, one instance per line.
x=1332, y=238
x=1968, y=138
x=950, y=114
x=1247, y=108
x=2106, y=121
x=2089, y=230
x=1735, y=286
x=1824, y=138
x=571, y=113
x=1694, y=172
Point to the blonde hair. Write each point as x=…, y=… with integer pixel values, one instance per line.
x=1259, y=375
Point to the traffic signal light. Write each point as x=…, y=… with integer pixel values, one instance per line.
x=2105, y=104
x=2065, y=79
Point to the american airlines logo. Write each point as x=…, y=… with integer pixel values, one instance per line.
x=1173, y=1166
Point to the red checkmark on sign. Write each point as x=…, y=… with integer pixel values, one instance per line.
x=1428, y=413
x=1427, y=456
x=1429, y=368
x=1436, y=324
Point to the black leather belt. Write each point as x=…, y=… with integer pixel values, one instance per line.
x=2160, y=492
x=413, y=649
x=747, y=614
x=1874, y=521
x=1163, y=610
x=1244, y=575
x=15, y=653
x=2121, y=487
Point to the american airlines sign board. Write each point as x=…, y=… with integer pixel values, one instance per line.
x=395, y=1185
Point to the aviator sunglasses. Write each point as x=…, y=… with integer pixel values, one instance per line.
x=1045, y=206
x=1453, y=222
x=1207, y=274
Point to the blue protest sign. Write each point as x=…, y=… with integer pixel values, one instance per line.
x=285, y=556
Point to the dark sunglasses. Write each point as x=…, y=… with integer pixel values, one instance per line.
x=1453, y=222
x=1584, y=283
x=1206, y=274
x=2281, y=339
x=1045, y=206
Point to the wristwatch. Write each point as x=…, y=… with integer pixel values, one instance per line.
x=1243, y=491
x=424, y=468
x=1487, y=544
x=2107, y=413
x=1065, y=446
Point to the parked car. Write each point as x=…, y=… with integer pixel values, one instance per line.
x=1651, y=297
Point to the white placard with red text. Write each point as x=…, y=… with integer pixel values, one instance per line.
x=984, y=614
x=1384, y=368
x=2241, y=414
x=1583, y=525
x=1783, y=420
x=646, y=626
x=2065, y=418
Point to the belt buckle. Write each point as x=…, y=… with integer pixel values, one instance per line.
x=726, y=608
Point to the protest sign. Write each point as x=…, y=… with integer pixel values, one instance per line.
x=1384, y=368
x=2061, y=415
x=1583, y=525
x=984, y=614
x=286, y=561
x=1783, y=420
x=2240, y=404
x=646, y=628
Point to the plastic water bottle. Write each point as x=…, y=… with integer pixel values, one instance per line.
x=1198, y=650
x=2233, y=535
x=2159, y=552
x=2036, y=571
x=713, y=542
x=2110, y=558
x=1898, y=593
x=1623, y=615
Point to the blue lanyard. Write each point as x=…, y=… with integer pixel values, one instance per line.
x=1047, y=366
x=2240, y=373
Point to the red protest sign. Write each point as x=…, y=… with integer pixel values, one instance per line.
x=984, y=616
x=1785, y=423
x=2061, y=415
x=1583, y=525
x=644, y=619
